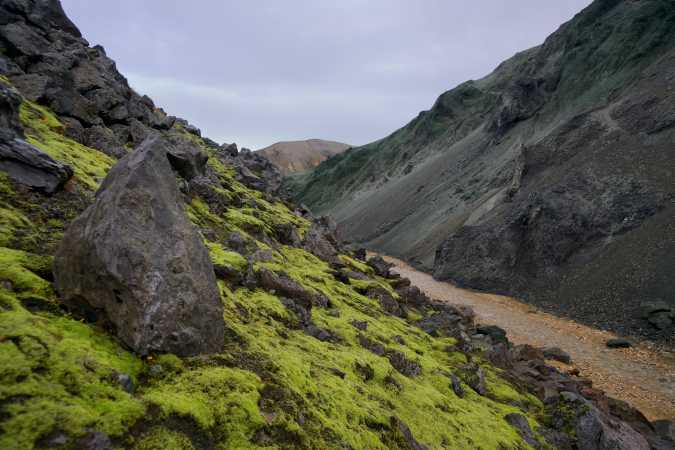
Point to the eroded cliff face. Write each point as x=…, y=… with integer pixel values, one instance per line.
x=549, y=179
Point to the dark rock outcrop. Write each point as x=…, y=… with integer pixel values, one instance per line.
x=558, y=354
x=285, y=286
x=380, y=266
x=520, y=423
x=47, y=59
x=23, y=162
x=618, y=343
x=134, y=261
x=253, y=169
x=404, y=436
x=594, y=429
x=32, y=167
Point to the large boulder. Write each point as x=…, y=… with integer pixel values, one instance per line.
x=134, y=261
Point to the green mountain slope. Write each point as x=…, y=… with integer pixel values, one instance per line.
x=526, y=181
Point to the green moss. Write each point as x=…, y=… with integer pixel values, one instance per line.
x=57, y=374
x=327, y=401
x=222, y=257
x=160, y=438
x=243, y=219
x=44, y=131
x=11, y=220
x=20, y=268
x=222, y=399
x=5, y=184
x=356, y=265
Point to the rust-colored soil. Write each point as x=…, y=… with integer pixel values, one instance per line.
x=642, y=375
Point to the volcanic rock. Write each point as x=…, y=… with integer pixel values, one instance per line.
x=134, y=261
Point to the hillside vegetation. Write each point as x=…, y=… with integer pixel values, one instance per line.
x=156, y=293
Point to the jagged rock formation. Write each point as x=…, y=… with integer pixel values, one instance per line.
x=299, y=156
x=46, y=58
x=320, y=349
x=253, y=169
x=20, y=160
x=134, y=260
x=549, y=179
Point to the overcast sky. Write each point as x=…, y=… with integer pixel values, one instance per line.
x=257, y=72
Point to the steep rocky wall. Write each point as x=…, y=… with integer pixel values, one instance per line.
x=535, y=180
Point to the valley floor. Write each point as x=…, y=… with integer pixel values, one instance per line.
x=642, y=376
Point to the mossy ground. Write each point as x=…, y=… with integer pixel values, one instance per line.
x=45, y=131
x=273, y=386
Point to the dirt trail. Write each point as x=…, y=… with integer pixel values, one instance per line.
x=641, y=376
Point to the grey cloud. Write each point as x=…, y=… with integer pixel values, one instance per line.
x=350, y=70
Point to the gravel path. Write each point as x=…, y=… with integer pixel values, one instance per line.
x=641, y=375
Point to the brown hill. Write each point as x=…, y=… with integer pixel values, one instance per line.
x=300, y=156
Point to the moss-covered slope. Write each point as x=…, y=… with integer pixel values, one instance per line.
x=273, y=386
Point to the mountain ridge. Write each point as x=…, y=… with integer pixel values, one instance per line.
x=461, y=174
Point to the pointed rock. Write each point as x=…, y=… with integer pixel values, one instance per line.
x=134, y=261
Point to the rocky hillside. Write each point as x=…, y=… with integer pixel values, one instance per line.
x=300, y=156
x=156, y=294
x=550, y=179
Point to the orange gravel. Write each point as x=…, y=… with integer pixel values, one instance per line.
x=641, y=375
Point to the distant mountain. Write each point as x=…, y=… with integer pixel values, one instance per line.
x=549, y=179
x=300, y=156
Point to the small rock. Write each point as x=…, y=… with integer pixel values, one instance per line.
x=520, y=423
x=497, y=334
x=474, y=376
x=360, y=325
x=557, y=354
x=526, y=352
x=230, y=149
x=371, y=345
x=456, y=386
x=360, y=254
x=337, y=372
x=388, y=303
x=618, y=343
x=366, y=371
x=499, y=355
x=398, y=339
x=404, y=365
x=381, y=266
x=94, y=441
x=125, y=381
x=156, y=370
x=401, y=429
